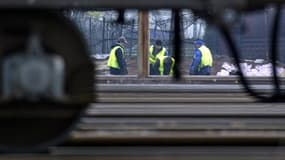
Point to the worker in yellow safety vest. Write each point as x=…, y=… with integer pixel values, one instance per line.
x=202, y=60
x=116, y=61
x=164, y=65
x=156, y=51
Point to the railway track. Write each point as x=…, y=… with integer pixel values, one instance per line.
x=185, y=80
x=141, y=122
x=176, y=93
x=156, y=153
x=176, y=124
x=175, y=114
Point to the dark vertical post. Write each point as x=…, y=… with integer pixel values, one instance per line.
x=266, y=30
x=177, y=43
x=131, y=37
x=90, y=35
x=103, y=37
x=171, y=34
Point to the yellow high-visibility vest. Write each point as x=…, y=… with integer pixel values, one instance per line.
x=112, y=61
x=206, y=59
x=161, y=65
x=152, y=58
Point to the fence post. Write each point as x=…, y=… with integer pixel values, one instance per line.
x=143, y=42
x=103, y=37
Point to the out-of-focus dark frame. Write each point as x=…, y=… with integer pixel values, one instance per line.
x=139, y=4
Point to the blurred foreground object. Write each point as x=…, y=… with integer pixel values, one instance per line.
x=47, y=79
x=141, y=4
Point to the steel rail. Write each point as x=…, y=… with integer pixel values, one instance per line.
x=155, y=153
x=133, y=79
x=176, y=93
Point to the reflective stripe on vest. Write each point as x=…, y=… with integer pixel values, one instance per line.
x=112, y=61
x=161, y=65
x=152, y=58
x=206, y=59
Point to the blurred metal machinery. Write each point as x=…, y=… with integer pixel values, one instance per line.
x=46, y=76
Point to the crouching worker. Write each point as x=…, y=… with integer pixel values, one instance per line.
x=164, y=65
x=155, y=51
x=116, y=61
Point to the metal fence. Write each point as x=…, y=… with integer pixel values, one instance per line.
x=101, y=33
x=251, y=34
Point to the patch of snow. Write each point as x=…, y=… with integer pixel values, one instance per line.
x=223, y=73
x=250, y=70
x=259, y=61
x=100, y=56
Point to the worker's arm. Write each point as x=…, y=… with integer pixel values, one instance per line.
x=195, y=63
x=151, y=60
x=166, y=52
x=121, y=61
x=167, y=66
